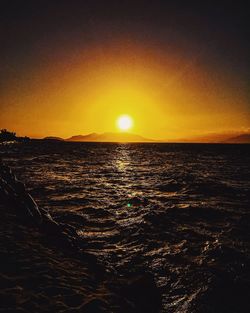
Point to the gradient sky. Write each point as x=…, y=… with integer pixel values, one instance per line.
x=72, y=67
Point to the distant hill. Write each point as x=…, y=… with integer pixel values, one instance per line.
x=128, y=137
x=53, y=138
x=218, y=138
x=89, y=137
x=245, y=138
x=109, y=137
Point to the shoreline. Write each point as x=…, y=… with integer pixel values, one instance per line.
x=42, y=269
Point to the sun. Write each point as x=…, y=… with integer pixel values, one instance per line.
x=124, y=122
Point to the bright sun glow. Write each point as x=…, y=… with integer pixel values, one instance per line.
x=124, y=122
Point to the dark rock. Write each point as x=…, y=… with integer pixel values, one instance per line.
x=225, y=295
x=95, y=306
x=143, y=293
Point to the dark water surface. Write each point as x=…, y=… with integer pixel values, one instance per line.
x=179, y=211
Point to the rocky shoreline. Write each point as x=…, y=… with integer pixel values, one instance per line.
x=44, y=269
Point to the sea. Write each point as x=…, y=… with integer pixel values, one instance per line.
x=178, y=211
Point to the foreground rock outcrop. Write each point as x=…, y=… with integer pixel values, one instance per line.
x=44, y=270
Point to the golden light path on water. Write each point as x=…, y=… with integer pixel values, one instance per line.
x=123, y=163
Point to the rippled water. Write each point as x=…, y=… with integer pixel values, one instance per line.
x=179, y=211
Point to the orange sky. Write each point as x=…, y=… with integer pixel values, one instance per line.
x=168, y=94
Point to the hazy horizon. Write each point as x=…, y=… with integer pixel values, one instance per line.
x=113, y=136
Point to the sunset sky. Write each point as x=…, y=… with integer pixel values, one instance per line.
x=73, y=67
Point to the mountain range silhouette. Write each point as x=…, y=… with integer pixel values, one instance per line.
x=129, y=137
